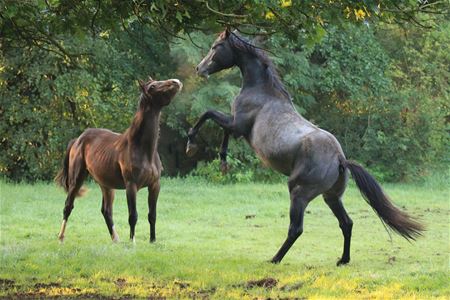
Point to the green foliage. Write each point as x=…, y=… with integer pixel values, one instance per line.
x=41, y=21
x=46, y=100
x=384, y=94
x=244, y=167
x=387, y=114
x=421, y=97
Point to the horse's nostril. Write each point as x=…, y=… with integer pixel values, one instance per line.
x=196, y=68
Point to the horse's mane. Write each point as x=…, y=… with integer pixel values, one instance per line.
x=133, y=130
x=245, y=46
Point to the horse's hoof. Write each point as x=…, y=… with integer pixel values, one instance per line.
x=342, y=262
x=153, y=240
x=115, y=236
x=191, y=149
x=274, y=261
x=61, y=239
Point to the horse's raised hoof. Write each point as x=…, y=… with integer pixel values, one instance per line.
x=191, y=149
x=342, y=262
x=224, y=168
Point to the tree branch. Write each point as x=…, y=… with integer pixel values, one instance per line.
x=94, y=17
x=224, y=14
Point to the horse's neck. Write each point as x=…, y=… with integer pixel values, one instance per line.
x=257, y=75
x=253, y=71
x=144, y=132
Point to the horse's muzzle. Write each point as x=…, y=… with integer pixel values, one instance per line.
x=179, y=83
x=203, y=72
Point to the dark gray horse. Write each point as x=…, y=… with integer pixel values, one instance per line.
x=313, y=159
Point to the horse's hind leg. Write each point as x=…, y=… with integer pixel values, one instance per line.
x=107, y=212
x=333, y=198
x=223, y=152
x=300, y=197
x=77, y=173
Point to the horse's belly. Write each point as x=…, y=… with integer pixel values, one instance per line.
x=110, y=177
x=105, y=171
x=277, y=143
x=275, y=154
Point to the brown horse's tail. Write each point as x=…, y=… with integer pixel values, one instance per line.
x=372, y=192
x=62, y=178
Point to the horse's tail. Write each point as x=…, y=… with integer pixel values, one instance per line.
x=372, y=192
x=62, y=178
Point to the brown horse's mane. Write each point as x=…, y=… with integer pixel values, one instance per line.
x=136, y=124
x=242, y=45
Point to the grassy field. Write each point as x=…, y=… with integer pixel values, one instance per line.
x=214, y=241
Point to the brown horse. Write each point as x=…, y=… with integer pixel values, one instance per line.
x=120, y=161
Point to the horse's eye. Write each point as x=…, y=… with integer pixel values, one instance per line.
x=152, y=87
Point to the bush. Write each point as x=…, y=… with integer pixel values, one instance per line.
x=243, y=165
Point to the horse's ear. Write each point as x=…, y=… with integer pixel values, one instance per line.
x=150, y=79
x=227, y=32
x=142, y=86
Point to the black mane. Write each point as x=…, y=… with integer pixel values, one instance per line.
x=242, y=45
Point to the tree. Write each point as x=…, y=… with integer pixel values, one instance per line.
x=41, y=22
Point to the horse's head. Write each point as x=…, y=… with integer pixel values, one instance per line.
x=219, y=57
x=159, y=93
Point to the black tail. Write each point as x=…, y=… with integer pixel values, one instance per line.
x=372, y=192
x=62, y=178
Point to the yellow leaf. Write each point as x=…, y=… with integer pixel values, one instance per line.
x=359, y=14
x=84, y=93
x=347, y=12
x=104, y=34
x=286, y=3
x=270, y=15
x=320, y=20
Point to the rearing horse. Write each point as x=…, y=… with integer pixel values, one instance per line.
x=264, y=115
x=120, y=161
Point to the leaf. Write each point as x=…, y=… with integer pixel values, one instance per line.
x=179, y=17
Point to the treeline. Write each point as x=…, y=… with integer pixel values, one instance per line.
x=383, y=90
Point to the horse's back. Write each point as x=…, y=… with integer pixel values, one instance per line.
x=98, y=135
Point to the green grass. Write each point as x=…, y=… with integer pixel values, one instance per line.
x=206, y=248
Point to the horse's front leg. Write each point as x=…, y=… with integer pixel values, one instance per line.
x=131, y=190
x=221, y=119
x=153, y=192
